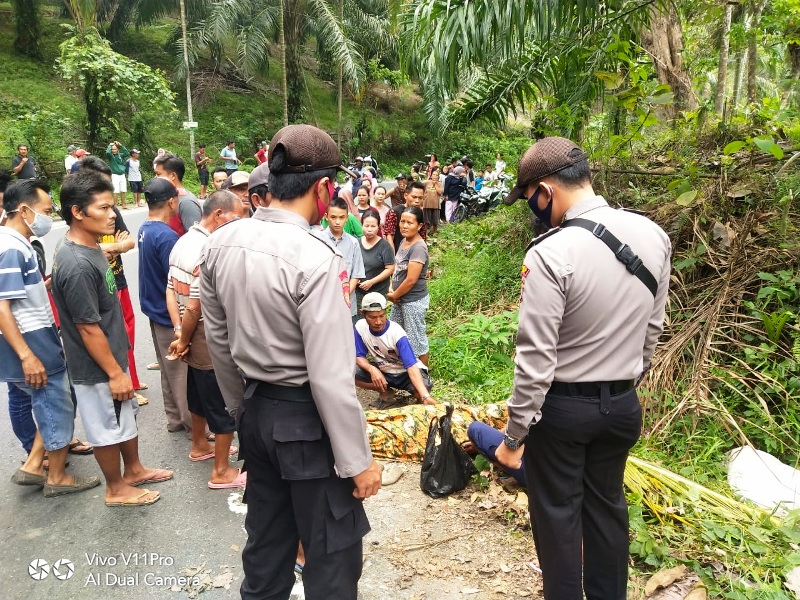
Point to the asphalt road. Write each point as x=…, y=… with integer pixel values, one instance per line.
x=118, y=552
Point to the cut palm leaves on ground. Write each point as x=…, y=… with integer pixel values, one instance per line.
x=728, y=542
x=700, y=363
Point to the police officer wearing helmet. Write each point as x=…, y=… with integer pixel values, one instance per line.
x=274, y=311
x=594, y=292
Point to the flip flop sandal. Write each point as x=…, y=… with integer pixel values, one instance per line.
x=142, y=386
x=73, y=448
x=161, y=475
x=231, y=452
x=137, y=500
x=153, y=367
x=141, y=400
x=240, y=481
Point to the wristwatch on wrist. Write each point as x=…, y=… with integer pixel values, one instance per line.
x=512, y=443
x=178, y=328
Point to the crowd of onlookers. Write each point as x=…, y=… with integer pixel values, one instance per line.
x=381, y=232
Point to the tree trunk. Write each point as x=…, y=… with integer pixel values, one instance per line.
x=27, y=27
x=663, y=40
x=752, y=50
x=282, y=42
x=293, y=32
x=724, y=48
x=738, y=71
x=185, y=40
x=340, y=82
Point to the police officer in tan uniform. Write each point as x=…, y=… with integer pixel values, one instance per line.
x=274, y=310
x=592, y=310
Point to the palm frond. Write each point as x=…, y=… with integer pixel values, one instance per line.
x=330, y=34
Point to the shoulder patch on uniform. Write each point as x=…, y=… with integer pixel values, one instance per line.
x=542, y=237
x=343, y=277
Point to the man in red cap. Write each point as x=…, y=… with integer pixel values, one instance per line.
x=588, y=325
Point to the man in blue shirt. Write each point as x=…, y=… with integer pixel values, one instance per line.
x=156, y=240
x=228, y=154
x=31, y=356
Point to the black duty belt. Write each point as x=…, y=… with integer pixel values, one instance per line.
x=278, y=392
x=590, y=389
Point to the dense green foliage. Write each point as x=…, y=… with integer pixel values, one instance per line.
x=119, y=94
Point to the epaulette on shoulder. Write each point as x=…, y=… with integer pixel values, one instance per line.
x=641, y=213
x=542, y=237
x=321, y=241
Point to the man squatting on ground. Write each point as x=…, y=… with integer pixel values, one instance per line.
x=384, y=357
x=301, y=428
x=589, y=320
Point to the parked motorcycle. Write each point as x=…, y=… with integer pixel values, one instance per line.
x=471, y=204
x=495, y=192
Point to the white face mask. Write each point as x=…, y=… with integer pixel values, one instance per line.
x=41, y=223
x=2, y=217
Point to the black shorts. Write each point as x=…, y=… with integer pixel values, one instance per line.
x=398, y=381
x=205, y=399
x=202, y=174
x=137, y=187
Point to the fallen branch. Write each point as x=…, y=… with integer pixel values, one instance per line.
x=654, y=173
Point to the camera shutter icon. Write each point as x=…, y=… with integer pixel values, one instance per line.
x=38, y=569
x=63, y=569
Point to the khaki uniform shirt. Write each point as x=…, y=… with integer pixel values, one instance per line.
x=583, y=316
x=274, y=310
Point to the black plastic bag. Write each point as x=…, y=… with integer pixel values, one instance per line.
x=446, y=468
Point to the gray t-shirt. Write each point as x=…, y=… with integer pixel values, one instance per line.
x=85, y=292
x=26, y=172
x=189, y=209
x=417, y=252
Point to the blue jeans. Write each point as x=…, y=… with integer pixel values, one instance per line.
x=53, y=408
x=486, y=440
x=21, y=414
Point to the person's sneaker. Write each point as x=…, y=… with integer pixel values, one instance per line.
x=80, y=484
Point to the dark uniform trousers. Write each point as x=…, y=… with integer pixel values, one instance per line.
x=575, y=459
x=293, y=493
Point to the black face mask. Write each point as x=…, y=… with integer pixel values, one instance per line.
x=543, y=215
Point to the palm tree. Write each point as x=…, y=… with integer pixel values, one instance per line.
x=486, y=58
x=253, y=24
x=27, y=27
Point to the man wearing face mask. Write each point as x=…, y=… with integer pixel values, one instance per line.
x=301, y=428
x=592, y=310
x=31, y=356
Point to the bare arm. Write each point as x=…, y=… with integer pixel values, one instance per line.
x=382, y=276
x=21, y=164
x=414, y=271
x=378, y=380
x=415, y=375
x=172, y=308
x=32, y=367
x=191, y=317
x=97, y=345
x=123, y=242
